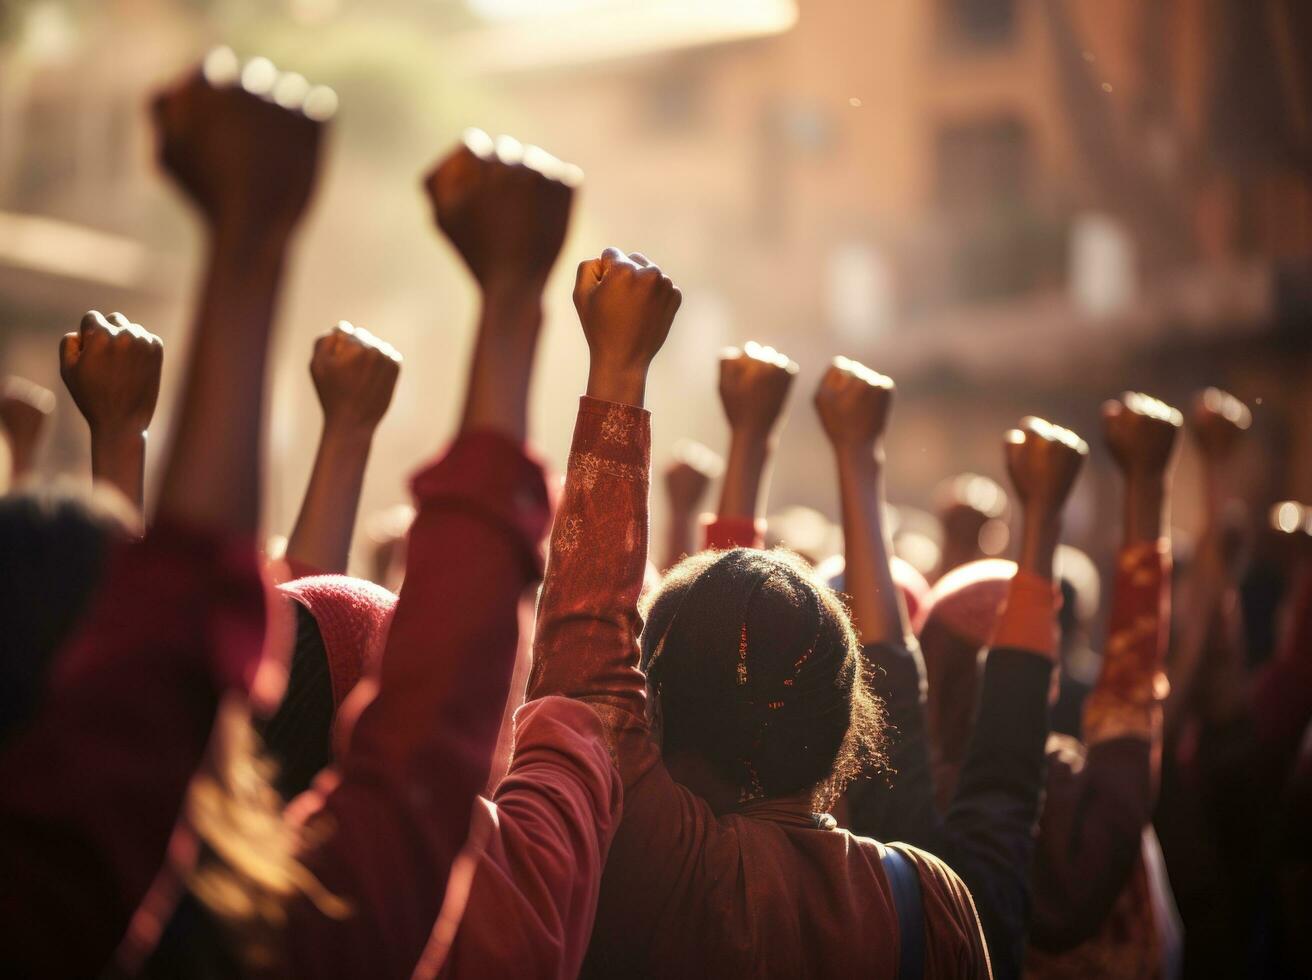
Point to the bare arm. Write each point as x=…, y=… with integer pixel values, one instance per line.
x=687, y=479
x=754, y=386
x=354, y=374
x=25, y=409
x=854, y=403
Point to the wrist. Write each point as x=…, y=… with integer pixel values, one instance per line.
x=348, y=434
x=119, y=436
x=513, y=304
x=865, y=456
x=623, y=385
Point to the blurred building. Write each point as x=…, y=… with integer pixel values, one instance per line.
x=1012, y=206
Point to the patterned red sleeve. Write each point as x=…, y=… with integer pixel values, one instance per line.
x=588, y=624
x=1127, y=698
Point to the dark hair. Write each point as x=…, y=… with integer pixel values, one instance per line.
x=53, y=544
x=298, y=736
x=758, y=671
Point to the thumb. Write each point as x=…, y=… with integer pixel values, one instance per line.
x=70, y=349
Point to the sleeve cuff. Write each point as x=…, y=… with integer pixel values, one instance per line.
x=723, y=533
x=494, y=477
x=611, y=440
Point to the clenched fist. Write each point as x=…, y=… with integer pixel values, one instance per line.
x=354, y=375
x=1043, y=460
x=504, y=206
x=1141, y=432
x=853, y=403
x=111, y=367
x=1218, y=422
x=626, y=306
x=689, y=475
x=24, y=409
x=243, y=142
x=754, y=384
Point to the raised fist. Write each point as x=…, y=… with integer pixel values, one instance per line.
x=853, y=403
x=689, y=475
x=626, y=306
x=24, y=408
x=1140, y=431
x=504, y=207
x=111, y=367
x=243, y=141
x=754, y=384
x=1218, y=422
x=354, y=375
x=1043, y=460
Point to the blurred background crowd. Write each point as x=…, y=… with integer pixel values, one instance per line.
x=1009, y=205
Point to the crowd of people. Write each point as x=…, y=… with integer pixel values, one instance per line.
x=217, y=760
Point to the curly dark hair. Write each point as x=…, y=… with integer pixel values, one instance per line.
x=758, y=670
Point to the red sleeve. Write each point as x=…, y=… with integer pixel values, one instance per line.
x=1282, y=691
x=586, y=647
x=93, y=786
x=1127, y=699
x=421, y=750
x=722, y=533
x=534, y=894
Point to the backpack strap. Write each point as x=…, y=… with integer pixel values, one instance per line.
x=904, y=881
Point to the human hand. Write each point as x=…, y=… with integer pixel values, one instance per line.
x=1141, y=433
x=1218, y=422
x=689, y=475
x=754, y=384
x=243, y=144
x=112, y=367
x=25, y=407
x=1042, y=461
x=853, y=403
x=626, y=306
x=504, y=207
x=354, y=376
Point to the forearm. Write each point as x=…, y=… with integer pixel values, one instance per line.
x=502, y=362
x=119, y=459
x=213, y=473
x=742, y=493
x=588, y=622
x=680, y=537
x=1126, y=701
x=877, y=609
x=321, y=537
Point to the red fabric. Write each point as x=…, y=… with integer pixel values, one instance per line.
x=353, y=616
x=1282, y=690
x=421, y=750
x=541, y=843
x=686, y=892
x=722, y=533
x=90, y=791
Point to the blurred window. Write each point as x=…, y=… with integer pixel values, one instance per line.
x=978, y=23
x=982, y=162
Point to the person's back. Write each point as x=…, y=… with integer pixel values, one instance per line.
x=770, y=891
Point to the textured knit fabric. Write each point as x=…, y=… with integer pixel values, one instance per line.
x=766, y=891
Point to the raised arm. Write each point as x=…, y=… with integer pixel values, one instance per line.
x=991, y=817
x=354, y=376
x=422, y=749
x=179, y=621
x=111, y=367
x=25, y=409
x=754, y=386
x=587, y=634
x=1092, y=828
x=1207, y=668
x=687, y=479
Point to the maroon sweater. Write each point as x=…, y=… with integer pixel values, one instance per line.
x=687, y=892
